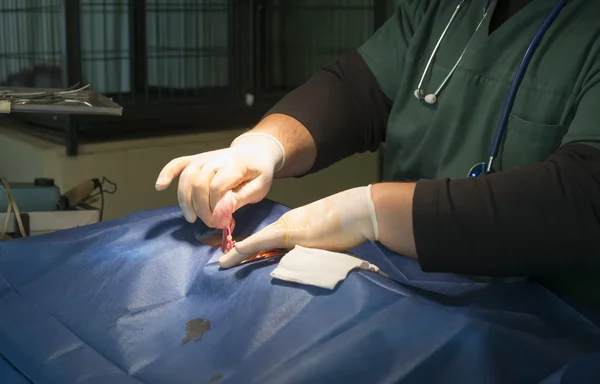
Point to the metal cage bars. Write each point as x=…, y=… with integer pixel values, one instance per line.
x=263, y=50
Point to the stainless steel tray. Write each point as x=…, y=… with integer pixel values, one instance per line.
x=77, y=100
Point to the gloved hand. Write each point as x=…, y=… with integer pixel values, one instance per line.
x=246, y=169
x=335, y=223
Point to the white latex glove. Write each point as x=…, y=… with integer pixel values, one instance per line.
x=335, y=223
x=246, y=169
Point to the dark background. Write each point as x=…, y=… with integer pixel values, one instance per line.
x=174, y=65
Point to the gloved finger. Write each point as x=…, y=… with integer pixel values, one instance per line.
x=273, y=236
x=234, y=199
x=251, y=192
x=226, y=179
x=201, y=194
x=171, y=171
x=184, y=193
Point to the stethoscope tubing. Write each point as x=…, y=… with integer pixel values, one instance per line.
x=516, y=83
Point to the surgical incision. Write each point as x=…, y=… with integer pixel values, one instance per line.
x=215, y=239
x=227, y=241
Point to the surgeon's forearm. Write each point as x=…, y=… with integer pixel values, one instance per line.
x=298, y=143
x=533, y=220
x=343, y=111
x=338, y=112
x=393, y=206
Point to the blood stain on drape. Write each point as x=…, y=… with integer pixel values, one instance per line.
x=195, y=329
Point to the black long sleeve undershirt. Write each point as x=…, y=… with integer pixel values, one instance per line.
x=343, y=108
x=540, y=219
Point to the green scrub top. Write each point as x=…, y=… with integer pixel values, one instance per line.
x=558, y=101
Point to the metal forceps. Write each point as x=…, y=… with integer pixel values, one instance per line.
x=69, y=95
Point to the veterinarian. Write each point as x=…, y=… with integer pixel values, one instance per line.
x=492, y=108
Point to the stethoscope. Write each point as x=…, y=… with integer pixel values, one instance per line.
x=431, y=98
